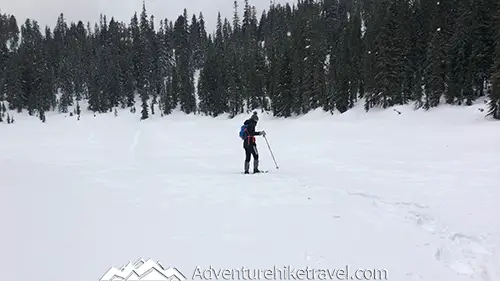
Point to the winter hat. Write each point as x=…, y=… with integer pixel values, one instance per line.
x=255, y=117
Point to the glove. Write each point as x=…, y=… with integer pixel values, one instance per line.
x=263, y=133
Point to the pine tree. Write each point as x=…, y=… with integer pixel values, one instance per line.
x=202, y=40
x=342, y=57
x=31, y=67
x=60, y=33
x=437, y=60
x=127, y=68
x=79, y=60
x=10, y=88
x=43, y=80
x=231, y=91
x=483, y=43
x=236, y=75
x=195, y=43
x=315, y=57
x=2, y=111
x=494, y=104
x=461, y=66
x=283, y=100
x=144, y=85
x=212, y=81
x=219, y=96
x=48, y=89
x=332, y=37
x=94, y=77
x=153, y=64
x=114, y=85
x=355, y=43
x=420, y=28
x=296, y=58
x=184, y=71
x=254, y=61
x=105, y=67
x=4, y=54
x=160, y=67
x=207, y=83
x=389, y=57
x=135, y=37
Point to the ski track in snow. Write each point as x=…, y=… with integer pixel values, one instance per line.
x=414, y=196
x=90, y=140
x=135, y=141
x=464, y=254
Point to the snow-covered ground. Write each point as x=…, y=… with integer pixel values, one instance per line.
x=415, y=194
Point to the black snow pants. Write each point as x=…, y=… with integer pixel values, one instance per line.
x=250, y=151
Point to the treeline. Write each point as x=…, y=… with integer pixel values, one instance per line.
x=289, y=60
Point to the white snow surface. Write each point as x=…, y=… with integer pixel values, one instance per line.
x=416, y=194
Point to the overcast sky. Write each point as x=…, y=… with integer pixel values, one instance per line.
x=47, y=11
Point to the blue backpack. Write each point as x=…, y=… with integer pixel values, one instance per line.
x=243, y=129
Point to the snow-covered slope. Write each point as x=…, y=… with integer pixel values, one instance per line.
x=415, y=194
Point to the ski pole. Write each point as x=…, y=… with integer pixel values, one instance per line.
x=277, y=168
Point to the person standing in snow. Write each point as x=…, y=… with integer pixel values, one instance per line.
x=250, y=144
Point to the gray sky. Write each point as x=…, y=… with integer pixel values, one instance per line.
x=47, y=11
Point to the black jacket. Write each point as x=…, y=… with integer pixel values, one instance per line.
x=250, y=133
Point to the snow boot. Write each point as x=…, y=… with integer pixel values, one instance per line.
x=256, y=166
x=247, y=167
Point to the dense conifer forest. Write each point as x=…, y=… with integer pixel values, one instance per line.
x=289, y=59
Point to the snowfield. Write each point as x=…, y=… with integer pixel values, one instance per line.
x=415, y=195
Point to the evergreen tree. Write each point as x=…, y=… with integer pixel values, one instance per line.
x=207, y=83
x=436, y=63
x=461, y=65
x=219, y=96
x=195, y=43
x=483, y=44
x=355, y=47
x=153, y=64
x=494, y=104
x=184, y=71
x=31, y=68
x=162, y=68
x=341, y=61
x=144, y=67
x=114, y=84
x=332, y=36
x=94, y=78
x=58, y=51
x=294, y=59
x=202, y=41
